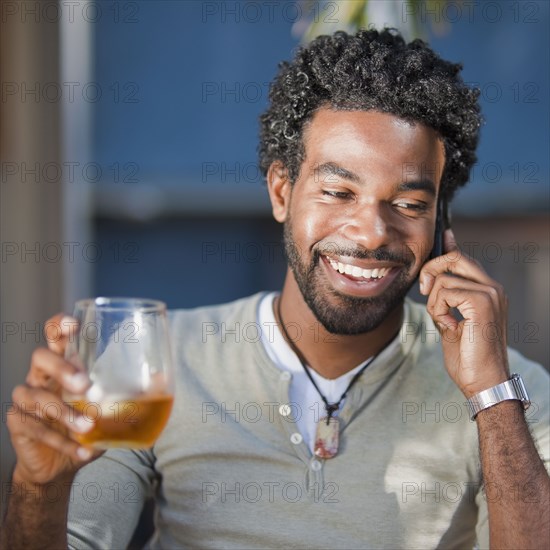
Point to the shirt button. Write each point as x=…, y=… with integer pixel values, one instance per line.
x=316, y=465
x=296, y=438
x=285, y=410
x=286, y=376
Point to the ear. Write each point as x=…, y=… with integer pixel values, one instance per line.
x=280, y=190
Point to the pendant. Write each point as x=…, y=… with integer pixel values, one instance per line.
x=327, y=437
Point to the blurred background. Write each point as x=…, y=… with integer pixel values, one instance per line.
x=128, y=152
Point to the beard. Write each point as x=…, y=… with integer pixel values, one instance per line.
x=339, y=313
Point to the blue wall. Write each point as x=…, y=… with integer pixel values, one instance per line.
x=176, y=134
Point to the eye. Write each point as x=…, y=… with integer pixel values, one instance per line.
x=416, y=207
x=337, y=194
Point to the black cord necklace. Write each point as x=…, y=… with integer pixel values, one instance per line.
x=327, y=435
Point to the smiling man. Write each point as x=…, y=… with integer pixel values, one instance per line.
x=350, y=417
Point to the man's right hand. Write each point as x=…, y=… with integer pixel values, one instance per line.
x=39, y=422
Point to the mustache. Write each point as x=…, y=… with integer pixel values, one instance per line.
x=380, y=254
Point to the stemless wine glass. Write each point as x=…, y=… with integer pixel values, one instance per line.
x=123, y=345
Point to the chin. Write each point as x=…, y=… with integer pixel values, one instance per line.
x=349, y=315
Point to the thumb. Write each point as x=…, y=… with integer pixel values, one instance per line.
x=449, y=241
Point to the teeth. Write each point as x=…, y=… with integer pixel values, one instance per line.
x=356, y=271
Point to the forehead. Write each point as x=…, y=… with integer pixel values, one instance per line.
x=381, y=140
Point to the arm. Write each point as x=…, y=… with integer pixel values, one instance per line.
x=47, y=458
x=98, y=508
x=516, y=482
x=107, y=499
x=33, y=521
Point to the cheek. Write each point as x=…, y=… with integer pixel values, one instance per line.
x=426, y=247
x=309, y=225
x=420, y=243
x=311, y=229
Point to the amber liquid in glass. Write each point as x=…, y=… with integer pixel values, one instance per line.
x=131, y=423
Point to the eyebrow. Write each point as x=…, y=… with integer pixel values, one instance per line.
x=419, y=185
x=332, y=169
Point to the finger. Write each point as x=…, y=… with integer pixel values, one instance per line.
x=472, y=305
x=47, y=366
x=41, y=433
x=455, y=262
x=58, y=330
x=496, y=294
x=449, y=241
x=448, y=282
x=65, y=445
x=39, y=405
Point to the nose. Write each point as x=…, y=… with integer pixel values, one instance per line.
x=368, y=226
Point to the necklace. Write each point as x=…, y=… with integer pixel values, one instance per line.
x=327, y=435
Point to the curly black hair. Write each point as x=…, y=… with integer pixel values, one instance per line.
x=371, y=70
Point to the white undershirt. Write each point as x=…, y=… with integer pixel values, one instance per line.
x=307, y=405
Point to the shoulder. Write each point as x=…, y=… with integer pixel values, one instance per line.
x=242, y=309
x=214, y=332
x=419, y=325
x=416, y=312
x=529, y=369
x=427, y=334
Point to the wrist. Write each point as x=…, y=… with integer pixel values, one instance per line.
x=508, y=413
x=485, y=375
x=512, y=389
x=20, y=479
x=486, y=383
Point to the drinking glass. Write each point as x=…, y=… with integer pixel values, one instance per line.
x=123, y=345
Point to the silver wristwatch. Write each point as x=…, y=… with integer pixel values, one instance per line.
x=511, y=389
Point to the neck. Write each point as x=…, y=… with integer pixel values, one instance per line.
x=330, y=355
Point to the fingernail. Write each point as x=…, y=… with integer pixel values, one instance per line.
x=421, y=285
x=82, y=424
x=84, y=453
x=77, y=382
x=67, y=323
x=427, y=283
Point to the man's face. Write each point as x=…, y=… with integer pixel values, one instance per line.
x=359, y=220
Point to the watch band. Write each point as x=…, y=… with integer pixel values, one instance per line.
x=511, y=389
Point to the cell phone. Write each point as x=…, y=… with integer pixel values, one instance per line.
x=442, y=222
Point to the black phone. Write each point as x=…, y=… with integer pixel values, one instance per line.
x=442, y=222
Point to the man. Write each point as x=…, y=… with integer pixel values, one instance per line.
x=305, y=434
